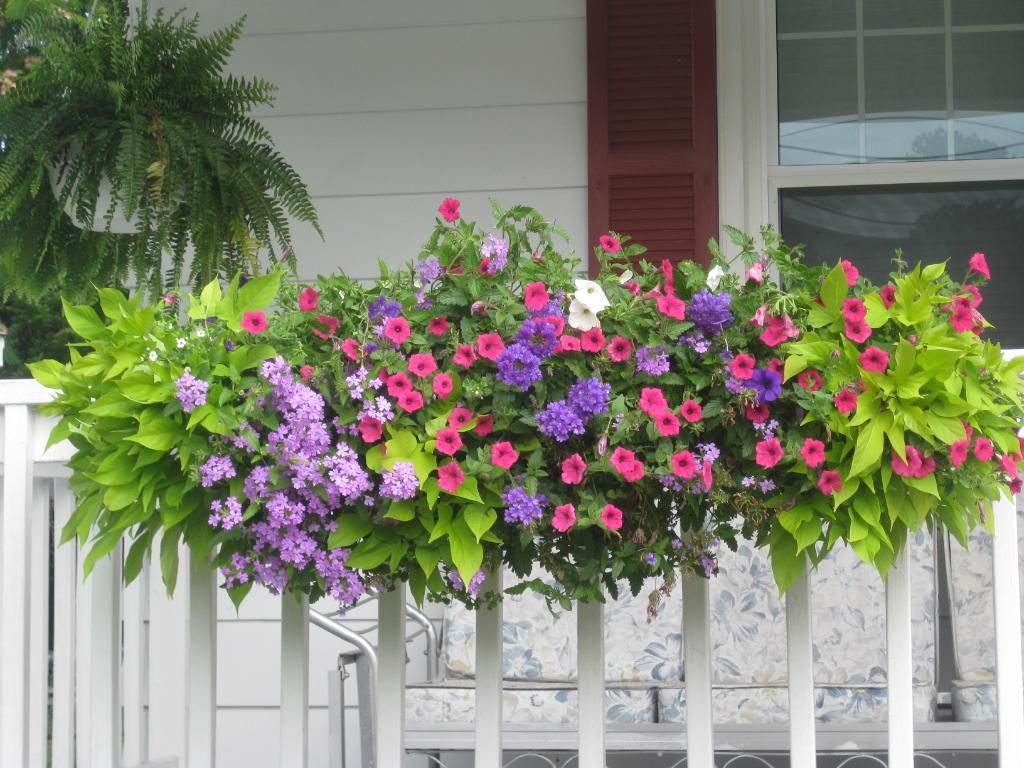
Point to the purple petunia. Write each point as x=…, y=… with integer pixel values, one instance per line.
x=518, y=366
x=710, y=311
x=766, y=383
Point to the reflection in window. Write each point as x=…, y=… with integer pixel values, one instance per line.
x=875, y=81
x=932, y=222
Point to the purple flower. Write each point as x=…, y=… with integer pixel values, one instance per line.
x=191, y=391
x=552, y=309
x=518, y=366
x=382, y=308
x=766, y=383
x=560, y=420
x=215, y=469
x=400, y=482
x=651, y=559
x=226, y=514
x=589, y=397
x=710, y=311
x=708, y=563
x=767, y=486
x=652, y=360
x=521, y=507
x=428, y=270
x=495, y=249
x=539, y=336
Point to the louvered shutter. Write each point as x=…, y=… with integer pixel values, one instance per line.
x=651, y=124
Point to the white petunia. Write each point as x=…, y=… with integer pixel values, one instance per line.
x=625, y=277
x=181, y=343
x=715, y=277
x=591, y=295
x=200, y=333
x=582, y=317
x=154, y=355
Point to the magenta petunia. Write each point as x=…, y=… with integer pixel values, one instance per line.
x=450, y=477
x=370, y=429
x=692, y=411
x=568, y=343
x=813, y=452
x=652, y=401
x=620, y=349
x=449, y=209
x=672, y=306
x=759, y=413
x=535, y=296
x=622, y=457
x=846, y=401
x=851, y=272
x=592, y=340
x=254, y=322
x=962, y=319
x=422, y=364
x=830, y=482
x=330, y=323
x=573, y=469
x=398, y=384
x=306, y=372
x=684, y=465
x=609, y=243
x=958, y=452
x=396, y=330
x=768, y=452
x=667, y=424
x=874, y=359
x=888, y=295
x=611, y=516
x=437, y=326
x=857, y=330
x=742, y=366
x=447, y=441
x=978, y=264
x=464, y=356
x=484, y=425
x=350, y=347
x=442, y=385
x=564, y=518
x=490, y=345
x=459, y=417
x=308, y=299
x=411, y=401
x=504, y=454
x=810, y=380
x=854, y=309
x=983, y=449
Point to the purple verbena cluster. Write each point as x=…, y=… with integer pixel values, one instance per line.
x=191, y=392
x=521, y=507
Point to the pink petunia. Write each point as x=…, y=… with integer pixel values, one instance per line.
x=330, y=323
x=983, y=449
x=449, y=209
x=609, y=243
x=978, y=264
x=857, y=331
x=705, y=475
x=958, y=452
x=622, y=457
x=830, y=482
x=411, y=401
x=370, y=429
x=854, y=309
x=438, y=326
x=672, y=306
x=254, y=322
x=306, y=372
x=691, y=411
x=759, y=413
x=450, y=477
x=888, y=295
x=611, y=516
x=633, y=471
x=503, y=454
x=1009, y=465
x=308, y=299
x=778, y=329
x=810, y=380
x=592, y=340
x=568, y=343
x=459, y=417
x=760, y=316
x=397, y=330
x=573, y=469
x=962, y=319
x=874, y=359
x=351, y=349
x=684, y=465
x=490, y=345
x=620, y=349
x=484, y=425
x=846, y=401
x=442, y=385
x=813, y=452
x=742, y=366
x=768, y=452
x=851, y=272
x=464, y=356
x=667, y=424
x=974, y=293
x=756, y=272
x=652, y=401
x=535, y=296
x=422, y=364
x=398, y=384
x=564, y=518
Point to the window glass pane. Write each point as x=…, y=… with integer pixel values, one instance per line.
x=988, y=93
x=902, y=14
x=987, y=12
x=816, y=15
x=930, y=223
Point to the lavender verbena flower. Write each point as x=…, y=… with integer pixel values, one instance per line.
x=237, y=572
x=521, y=507
x=652, y=360
x=767, y=486
x=710, y=451
x=710, y=311
x=226, y=514
x=748, y=482
x=255, y=486
x=191, y=391
x=589, y=397
x=355, y=381
x=651, y=559
x=341, y=583
x=518, y=366
x=378, y=408
x=382, y=308
x=560, y=420
x=552, y=309
x=476, y=582
x=735, y=386
x=766, y=383
x=539, y=336
x=428, y=270
x=677, y=544
x=456, y=580
x=400, y=482
x=346, y=478
x=708, y=562
x=423, y=301
x=215, y=469
x=670, y=482
x=495, y=249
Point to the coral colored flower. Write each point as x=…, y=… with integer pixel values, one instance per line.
x=857, y=330
x=351, y=349
x=958, y=452
x=442, y=385
x=437, y=326
x=410, y=402
x=535, y=296
x=684, y=465
x=830, y=482
x=396, y=329
x=565, y=518
x=810, y=380
x=464, y=356
x=768, y=452
x=490, y=345
x=620, y=349
x=742, y=366
x=592, y=340
x=306, y=372
x=459, y=417
x=672, y=306
x=330, y=323
x=308, y=299
x=846, y=401
x=503, y=454
x=813, y=452
x=573, y=469
x=652, y=401
x=756, y=272
x=450, y=477
x=759, y=413
x=874, y=359
x=983, y=449
x=888, y=295
x=622, y=457
x=667, y=423
x=568, y=344
x=851, y=272
x=611, y=516
x=691, y=411
x=398, y=384
x=609, y=243
x=978, y=264
x=370, y=429
x=422, y=364
x=449, y=209
x=854, y=309
x=484, y=425
x=254, y=322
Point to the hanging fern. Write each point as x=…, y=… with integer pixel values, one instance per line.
x=141, y=107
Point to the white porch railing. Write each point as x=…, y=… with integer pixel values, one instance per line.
x=112, y=680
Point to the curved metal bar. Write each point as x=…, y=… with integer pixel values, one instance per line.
x=748, y=756
x=342, y=632
x=525, y=755
x=414, y=613
x=854, y=758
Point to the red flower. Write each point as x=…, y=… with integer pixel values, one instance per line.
x=813, y=452
x=874, y=359
x=573, y=469
x=620, y=349
x=850, y=271
x=351, y=349
x=447, y=441
x=535, y=296
x=450, y=477
x=564, y=518
x=490, y=345
x=846, y=401
x=459, y=417
x=958, y=452
x=411, y=401
x=962, y=319
x=398, y=384
x=830, y=482
x=979, y=265
x=983, y=449
x=888, y=295
x=609, y=243
x=568, y=344
x=442, y=385
x=691, y=411
x=611, y=516
x=768, y=452
x=759, y=413
x=857, y=330
x=397, y=329
x=449, y=209
x=438, y=326
x=672, y=306
x=667, y=423
x=503, y=454
x=464, y=356
x=592, y=340
x=370, y=429
x=684, y=465
x=254, y=322
x=652, y=401
x=810, y=380
x=742, y=366
x=308, y=299
x=484, y=425
x=422, y=364
x=306, y=372
x=854, y=309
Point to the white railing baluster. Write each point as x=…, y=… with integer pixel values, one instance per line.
x=899, y=652
x=389, y=714
x=65, y=582
x=201, y=719
x=591, y=693
x=168, y=646
x=39, y=632
x=133, y=670
x=1006, y=604
x=104, y=712
x=14, y=587
x=700, y=736
x=294, y=682
x=488, y=714
x=802, y=747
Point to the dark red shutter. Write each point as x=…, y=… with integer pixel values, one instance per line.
x=651, y=124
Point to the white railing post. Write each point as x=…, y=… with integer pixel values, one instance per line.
x=294, y=682
x=488, y=716
x=700, y=736
x=134, y=667
x=591, y=693
x=800, y=647
x=168, y=646
x=65, y=584
x=899, y=652
x=39, y=632
x=104, y=712
x=389, y=714
x=15, y=572
x=201, y=702
x=1006, y=605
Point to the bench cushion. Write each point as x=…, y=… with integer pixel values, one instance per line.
x=456, y=705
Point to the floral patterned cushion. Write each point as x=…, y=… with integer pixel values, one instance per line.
x=973, y=702
x=456, y=705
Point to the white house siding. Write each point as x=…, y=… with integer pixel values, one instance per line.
x=385, y=108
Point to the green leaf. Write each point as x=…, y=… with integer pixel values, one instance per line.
x=84, y=321
x=113, y=303
x=480, y=519
x=49, y=373
x=258, y=293
x=369, y=555
x=788, y=564
x=869, y=447
x=238, y=593
x=157, y=432
x=137, y=555
x=351, y=528
x=250, y=356
x=467, y=553
x=141, y=388
x=101, y=547
x=402, y=511
x=835, y=288
x=428, y=558
x=468, y=490
x=402, y=446
x=209, y=298
x=877, y=314
x=819, y=317
x=794, y=365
